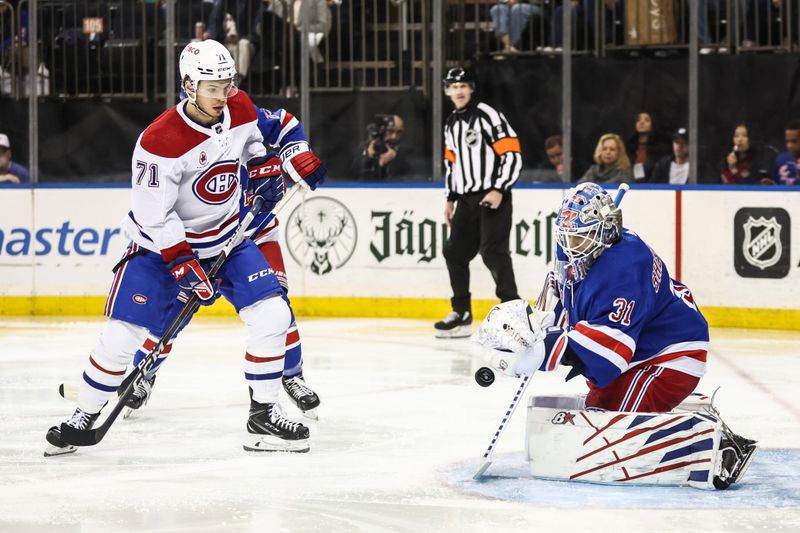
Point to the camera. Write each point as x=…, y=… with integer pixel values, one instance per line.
x=376, y=131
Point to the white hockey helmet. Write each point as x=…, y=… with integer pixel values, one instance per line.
x=207, y=60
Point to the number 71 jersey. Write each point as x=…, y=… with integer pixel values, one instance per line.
x=186, y=178
x=628, y=312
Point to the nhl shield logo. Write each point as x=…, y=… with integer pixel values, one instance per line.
x=321, y=234
x=472, y=138
x=762, y=242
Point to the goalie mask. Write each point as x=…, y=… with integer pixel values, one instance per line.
x=588, y=222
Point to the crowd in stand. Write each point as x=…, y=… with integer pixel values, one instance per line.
x=649, y=157
x=723, y=25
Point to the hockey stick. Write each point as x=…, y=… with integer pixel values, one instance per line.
x=70, y=391
x=90, y=437
x=623, y=188
x=487, y=457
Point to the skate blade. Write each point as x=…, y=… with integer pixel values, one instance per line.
x=746, y=465
x=53, y=451
x=127, y=413
x=267, y=443
x=311, y=414
x=459, y=332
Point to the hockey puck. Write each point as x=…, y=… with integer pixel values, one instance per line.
x=484, y=376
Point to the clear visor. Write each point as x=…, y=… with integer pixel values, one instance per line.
x=219, y=89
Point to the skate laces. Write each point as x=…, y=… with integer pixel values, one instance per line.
x=80, y=419
x=143, y=389
x=297, y=387
x=278, y=417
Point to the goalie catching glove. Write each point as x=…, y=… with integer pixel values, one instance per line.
x=302, y=166
x=521, y=339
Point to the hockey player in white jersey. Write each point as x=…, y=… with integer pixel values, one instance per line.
x=185, y=206
x=265, y=234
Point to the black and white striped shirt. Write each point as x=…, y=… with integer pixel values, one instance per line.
x=481, y=151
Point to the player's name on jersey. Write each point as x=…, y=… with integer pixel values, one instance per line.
x=59, y=240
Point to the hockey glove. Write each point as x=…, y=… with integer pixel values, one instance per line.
x=188, y=273
x=265, y=179
x=302, y=166
x=513, y=326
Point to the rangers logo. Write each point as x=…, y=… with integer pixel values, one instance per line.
x=321, y=234
x=762, y=242
x=218, y=184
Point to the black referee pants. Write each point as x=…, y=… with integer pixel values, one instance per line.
x=480, y=229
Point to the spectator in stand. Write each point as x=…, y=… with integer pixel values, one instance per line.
x=744, y=164
x=645, y=147
x=10, y=171
x=674, y=169
x=582, y=30
x=554, y=147
x=765, y=22
x=510, y=18
x=200, y=33
x=788, y=162
x=240, y=48
x=611, y=163
x=319, y=21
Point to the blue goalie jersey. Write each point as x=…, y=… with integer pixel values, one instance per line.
x=628, y=313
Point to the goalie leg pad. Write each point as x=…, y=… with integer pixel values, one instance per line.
x=676, y=448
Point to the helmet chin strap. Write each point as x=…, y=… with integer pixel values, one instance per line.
x=193, y=100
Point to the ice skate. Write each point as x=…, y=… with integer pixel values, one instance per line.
x=454, y=326
x=302, y=396
x=140, y=397
x=270, y=431
x=79, y=420
x=737, y=454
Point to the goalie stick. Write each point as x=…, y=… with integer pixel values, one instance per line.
x=78, y=437
x=487, y=456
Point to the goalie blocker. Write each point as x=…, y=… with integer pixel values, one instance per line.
x=691, y=447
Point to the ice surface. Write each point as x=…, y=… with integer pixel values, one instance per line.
x=402, y=428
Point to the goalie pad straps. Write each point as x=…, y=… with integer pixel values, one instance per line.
x=555, y=346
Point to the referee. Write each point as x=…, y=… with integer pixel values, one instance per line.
x=482, y=161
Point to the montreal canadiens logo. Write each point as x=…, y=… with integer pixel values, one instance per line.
x=218, y=183
x=140, y=299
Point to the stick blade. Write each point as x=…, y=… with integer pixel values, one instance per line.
x=80, y=437
x=482, y=470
